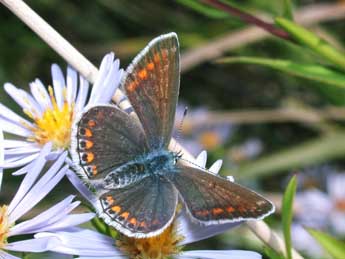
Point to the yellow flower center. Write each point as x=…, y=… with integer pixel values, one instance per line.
x=209, y=139
x=158, y=247
x=4, y=226
x=54, y=125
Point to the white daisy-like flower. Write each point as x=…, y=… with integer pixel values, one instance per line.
x=51, y=111
x=31, y=191
x=183, y=231
x=330, y=209
x=320, y=210
x=89, y=244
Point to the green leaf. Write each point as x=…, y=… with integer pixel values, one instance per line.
x=333, y=246
x=309, y=39
x=271, y=253
x=287, y=9
x=205, y=10
x=287, y=213
x=309, y=71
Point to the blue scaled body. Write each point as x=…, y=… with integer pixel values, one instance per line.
x=160, y=162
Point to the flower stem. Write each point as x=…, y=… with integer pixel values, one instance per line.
x=80, y=63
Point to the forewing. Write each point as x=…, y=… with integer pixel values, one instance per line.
x=211, y=199
x=105, y=138
x=152, y=83
x=142, y=209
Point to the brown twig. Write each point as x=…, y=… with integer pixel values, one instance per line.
x=215, y=48
x=251, y=19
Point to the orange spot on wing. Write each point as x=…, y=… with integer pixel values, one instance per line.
x=217, y=211
x=142, y=74
x=90, y=157
x=230, y=209
x=91, y=123
x=125, y=215
x=88, y=133
x=88, y=144
x=133, y=221
x=94, y=170
x=150, y=66
x=110, y=199
x=116, y=209
x=132, y=86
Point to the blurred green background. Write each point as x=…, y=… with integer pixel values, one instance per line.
x=286, y=145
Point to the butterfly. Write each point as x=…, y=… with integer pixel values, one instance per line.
x=138, y=180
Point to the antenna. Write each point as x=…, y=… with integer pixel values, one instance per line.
x=179, y=129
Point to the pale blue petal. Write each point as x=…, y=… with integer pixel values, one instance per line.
x=193, y=231
x=36, y=245
x=219, y=254
x=37, y=192
x=80, y=186
x=216, y=166
x=40, y=94
x=58, y=84
x=2, y=155
x=201, y=159
x=72, y=84
x=82, y=242
x=82, y=93
x=30, y=178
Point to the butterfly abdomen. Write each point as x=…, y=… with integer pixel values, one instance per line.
x=125, y=175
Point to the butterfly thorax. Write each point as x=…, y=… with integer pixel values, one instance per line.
x=159, y=162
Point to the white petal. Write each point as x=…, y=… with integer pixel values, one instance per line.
x=220, y=254
x=304, y=242
x=38, y=192
x=14, y=128
x=58, y=84
x=19, y=161
x=83, y=242
x=23, y=150
x=103, y=71
x=72, y=83
x=335, y=186
x=44, y=217
x=68, y=222
x=33, y=245
x=11, y=143
x=30, y=178
x=2, y=155
x=80, y=186
x=309, y=214
x=194, y=232
x=230, y=178
x=201, y=159
x=41, y=94
x=110, y=84
x=82, y=93
x=12, y=116
x=23, y=99
x=216, y=166
x=337, y=221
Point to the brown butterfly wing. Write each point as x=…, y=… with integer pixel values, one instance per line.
x=105, y=138
x=211, y=199
x=152, y=83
